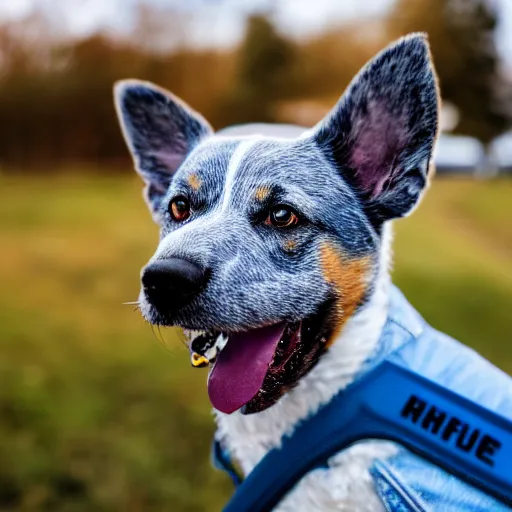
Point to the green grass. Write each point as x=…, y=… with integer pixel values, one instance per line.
x=97, y=415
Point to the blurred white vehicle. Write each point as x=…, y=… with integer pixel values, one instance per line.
x=456, y=153
x=501, y=152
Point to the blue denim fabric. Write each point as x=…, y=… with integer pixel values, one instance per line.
x=406, y=482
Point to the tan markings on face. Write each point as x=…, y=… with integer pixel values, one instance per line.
x=194, y=182
x=348, y=278
x=262, y=193
x=289, y=245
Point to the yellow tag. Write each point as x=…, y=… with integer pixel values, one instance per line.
x=198, y=361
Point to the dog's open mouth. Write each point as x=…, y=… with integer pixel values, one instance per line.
x=253, y=369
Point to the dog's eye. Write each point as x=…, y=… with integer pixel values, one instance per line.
x=179, y=208
x=282, y=216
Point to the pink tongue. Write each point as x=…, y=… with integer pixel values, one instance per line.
x=241, y=367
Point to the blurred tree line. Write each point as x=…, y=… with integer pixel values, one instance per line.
x=466, y=60
x=56, y=100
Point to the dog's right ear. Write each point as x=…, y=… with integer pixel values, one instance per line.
x=160, y=131
x=381, y=134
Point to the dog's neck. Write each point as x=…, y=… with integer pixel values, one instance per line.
x=249, y=437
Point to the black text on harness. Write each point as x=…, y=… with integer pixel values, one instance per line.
x=451, y=429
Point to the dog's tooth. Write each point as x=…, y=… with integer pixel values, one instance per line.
x=202, y=343
x=211, y=353
x=204, y=348
x=221, y=342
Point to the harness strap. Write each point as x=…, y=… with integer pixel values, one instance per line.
x=390, y=402
x=221, y=460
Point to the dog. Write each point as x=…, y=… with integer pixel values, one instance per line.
x=274, y=257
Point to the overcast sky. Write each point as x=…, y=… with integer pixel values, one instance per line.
x=222, y=23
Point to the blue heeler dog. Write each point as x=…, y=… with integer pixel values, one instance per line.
x=274, y=257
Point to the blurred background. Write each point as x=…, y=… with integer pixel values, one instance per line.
x=99, y=413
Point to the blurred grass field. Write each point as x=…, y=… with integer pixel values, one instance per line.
x=97, y=415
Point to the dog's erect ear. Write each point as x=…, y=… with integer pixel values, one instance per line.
x=382, y=131
x=160, y=131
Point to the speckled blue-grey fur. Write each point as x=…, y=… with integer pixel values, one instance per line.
x=367, y=162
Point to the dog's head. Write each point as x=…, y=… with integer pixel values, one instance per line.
x=272, y=244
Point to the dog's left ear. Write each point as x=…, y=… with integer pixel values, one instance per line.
x=381, y=133
x=160, y=131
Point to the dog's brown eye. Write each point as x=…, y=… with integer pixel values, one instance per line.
x=282, y=216
x=180, y=208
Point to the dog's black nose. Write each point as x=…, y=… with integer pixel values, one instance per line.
x=172, y=281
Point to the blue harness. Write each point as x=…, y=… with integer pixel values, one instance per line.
x=394, y=401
